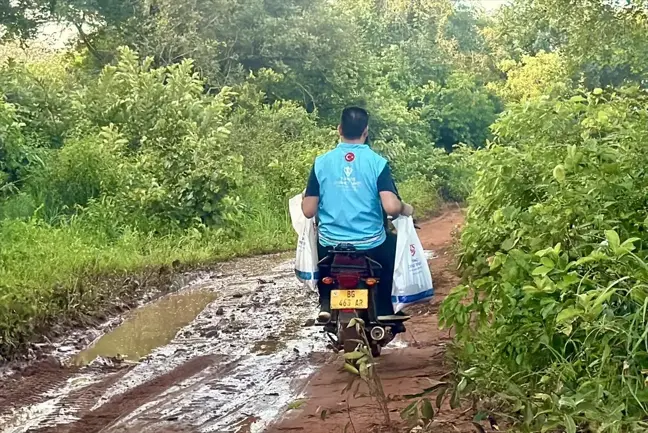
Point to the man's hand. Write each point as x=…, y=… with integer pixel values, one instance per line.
x=408, y=210
x=393, y=205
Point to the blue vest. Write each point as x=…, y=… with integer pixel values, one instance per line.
x=350, y=210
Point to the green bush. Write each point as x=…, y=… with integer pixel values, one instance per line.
x=83, y=169
x=459, y=112
x=551, y=323
x=13, y=151
x=451, y=173
x=422, y=194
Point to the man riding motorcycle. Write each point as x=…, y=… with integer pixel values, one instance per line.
x=350, y=189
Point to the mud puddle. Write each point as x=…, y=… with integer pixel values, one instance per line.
x=148, y=327
x=225, y=354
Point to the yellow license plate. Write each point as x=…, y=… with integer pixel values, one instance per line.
x=350, y=299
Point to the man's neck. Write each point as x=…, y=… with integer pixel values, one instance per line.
x=356, y=141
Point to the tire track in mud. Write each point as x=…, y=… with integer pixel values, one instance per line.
x=82, y=400
x=26, y=386
x=97, y=420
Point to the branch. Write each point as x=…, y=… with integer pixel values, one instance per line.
x=87, y=42
x=350, y=423
x=309, y=95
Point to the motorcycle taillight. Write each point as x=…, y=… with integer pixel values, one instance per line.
x=347, y=281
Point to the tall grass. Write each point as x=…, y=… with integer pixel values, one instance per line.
x=48, y=272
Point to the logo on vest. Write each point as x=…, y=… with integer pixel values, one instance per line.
x=348, y=181
x=350, y=157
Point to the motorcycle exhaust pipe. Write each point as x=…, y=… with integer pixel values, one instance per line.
x=377, y=333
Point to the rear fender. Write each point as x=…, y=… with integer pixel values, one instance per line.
x=344, y=317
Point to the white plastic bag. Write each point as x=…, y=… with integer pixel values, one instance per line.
x=306, y=258
x=412, y=277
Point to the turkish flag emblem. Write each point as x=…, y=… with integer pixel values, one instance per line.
x=349, y=157
x=412, y=250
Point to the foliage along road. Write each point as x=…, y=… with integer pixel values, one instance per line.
x=242, y=362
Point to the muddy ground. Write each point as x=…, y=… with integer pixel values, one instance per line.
x=229, y=353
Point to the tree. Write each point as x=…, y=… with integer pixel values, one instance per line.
x=544, y=74
x=603, y=42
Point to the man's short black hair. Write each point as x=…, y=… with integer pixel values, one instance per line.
x=354, y=122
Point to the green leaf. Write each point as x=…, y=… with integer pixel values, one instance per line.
x=354, y=355
x=454, y=400
x=351, y=369
x=462, y=384
x=559, y=173
x=544, y=252
x=568, y=314
x=547, y=263
x=541, y=270
x=570, y=424
x=528, y=414
x=364, y=371
x=409, y=408
x=496, y=263
x=628, y=244
x=480, y=416
x=410, y=413
x=597, y=91
x=613, y=239
x=440, y=396
x=427, y=411
x=509, y=243
x=427, y=391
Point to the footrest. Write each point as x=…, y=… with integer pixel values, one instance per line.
x=394, y=318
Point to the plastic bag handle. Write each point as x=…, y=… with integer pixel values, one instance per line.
x=416, y=226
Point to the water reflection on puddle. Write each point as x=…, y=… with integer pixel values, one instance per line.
x=148, y=327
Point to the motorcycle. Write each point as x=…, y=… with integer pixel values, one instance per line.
x=353, y=281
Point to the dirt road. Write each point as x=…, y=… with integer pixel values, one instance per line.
x=227, y=353
x=417, y=361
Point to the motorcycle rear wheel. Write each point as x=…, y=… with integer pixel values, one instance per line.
x=349, y=337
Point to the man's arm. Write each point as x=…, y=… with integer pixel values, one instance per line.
x=310, y=203
x=389, y=196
